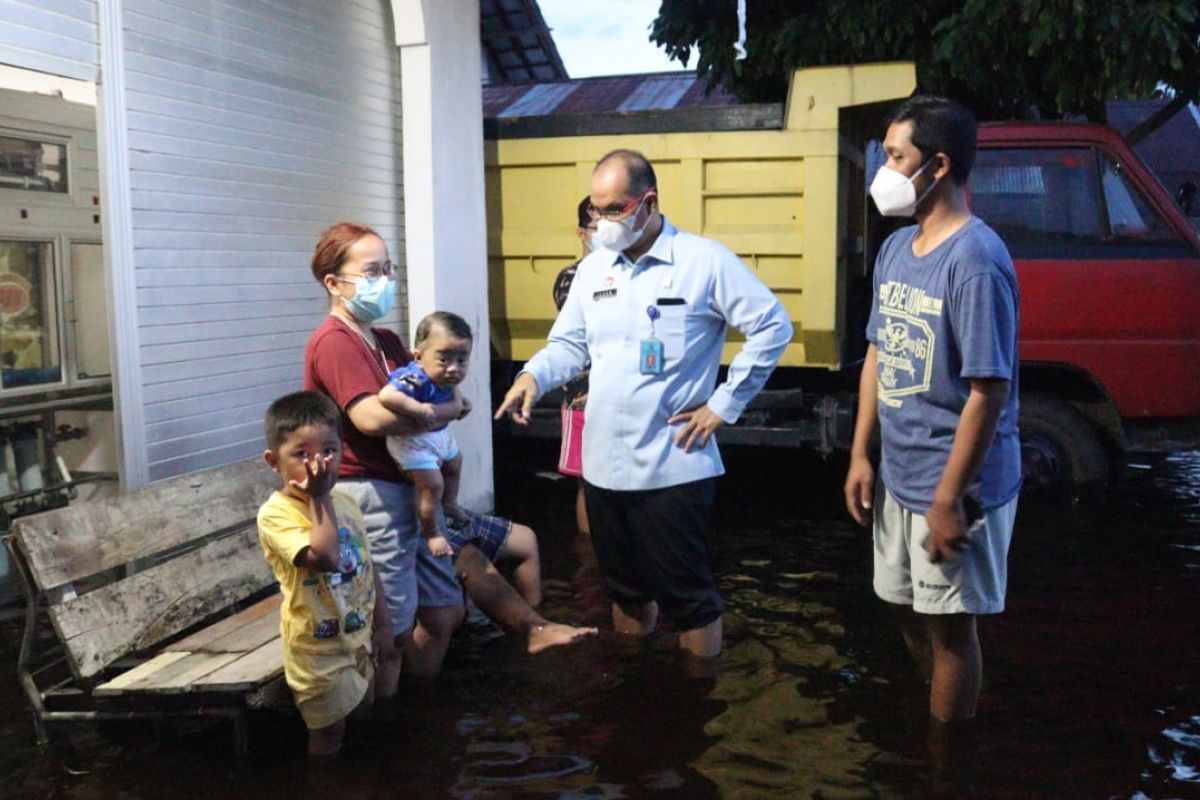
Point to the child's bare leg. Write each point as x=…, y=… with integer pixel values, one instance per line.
x=363, y=710
x=451, y=478
x=428, y=483
x=522, y=546
x=326, y=742
x=387, y=675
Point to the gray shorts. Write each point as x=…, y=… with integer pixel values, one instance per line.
x=973, y=583
x=410, y=576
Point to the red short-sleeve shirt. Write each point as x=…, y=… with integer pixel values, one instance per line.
x=339, y=363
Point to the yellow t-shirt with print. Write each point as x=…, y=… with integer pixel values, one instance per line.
x=323, y=614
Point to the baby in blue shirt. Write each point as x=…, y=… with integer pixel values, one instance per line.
x=432, y=461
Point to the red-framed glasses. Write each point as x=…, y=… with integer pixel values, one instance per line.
x=614, y=214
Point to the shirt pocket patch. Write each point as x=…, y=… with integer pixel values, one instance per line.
x=675, y=325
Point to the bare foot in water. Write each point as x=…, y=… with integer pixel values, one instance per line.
x=552, y=634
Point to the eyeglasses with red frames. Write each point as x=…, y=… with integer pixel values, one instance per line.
x=614, y=214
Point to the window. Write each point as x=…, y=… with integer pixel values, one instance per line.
x=30, y=354
x=89, y=312
x=35, y=165
x=1039, y=200
x=1130, y=217
x=1068, y=203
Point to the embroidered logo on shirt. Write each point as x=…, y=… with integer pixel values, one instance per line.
x=603, y=293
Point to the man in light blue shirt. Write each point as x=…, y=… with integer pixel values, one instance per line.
x=648, y=310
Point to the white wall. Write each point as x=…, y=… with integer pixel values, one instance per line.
x=57, y=37
x=445, y=220
x=252, y=126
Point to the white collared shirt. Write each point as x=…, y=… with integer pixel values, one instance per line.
x=699, y=287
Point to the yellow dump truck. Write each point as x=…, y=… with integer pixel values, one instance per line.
x=1109, y=266
x=780, y=185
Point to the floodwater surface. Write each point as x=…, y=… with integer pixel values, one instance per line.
x=1091, y=684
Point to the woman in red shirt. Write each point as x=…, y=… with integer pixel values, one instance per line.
x=349, y=360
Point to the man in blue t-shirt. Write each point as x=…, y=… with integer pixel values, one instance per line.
x=940, y=384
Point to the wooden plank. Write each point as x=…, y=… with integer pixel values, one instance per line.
x=70, y=543
x=118, y=684
x=141, y=611
x=179, y=676
x=199, y=640
x=248, y=672
x=248, y=637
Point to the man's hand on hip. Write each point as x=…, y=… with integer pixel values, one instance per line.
x=518, y=403
x=699, y=425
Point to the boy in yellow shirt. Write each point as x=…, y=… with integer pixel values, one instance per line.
x=333, y=616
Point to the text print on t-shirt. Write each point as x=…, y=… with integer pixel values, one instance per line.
x=906, y=342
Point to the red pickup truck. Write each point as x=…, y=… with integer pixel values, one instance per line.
x=1109, y=269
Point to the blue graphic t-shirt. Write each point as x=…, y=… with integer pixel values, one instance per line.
x=415, y=382
x=936, y=321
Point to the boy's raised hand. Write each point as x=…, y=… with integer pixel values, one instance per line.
x=319, y=478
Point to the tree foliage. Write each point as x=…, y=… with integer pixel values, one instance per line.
x=1003, y=58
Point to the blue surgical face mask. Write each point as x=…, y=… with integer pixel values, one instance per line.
x=372, y=299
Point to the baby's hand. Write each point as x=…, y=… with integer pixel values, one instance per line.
x=318, y=479
x=439, y=547
x=428, y=414
x=466, y=407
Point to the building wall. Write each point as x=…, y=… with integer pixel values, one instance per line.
x=252, y=126
x=54, y=36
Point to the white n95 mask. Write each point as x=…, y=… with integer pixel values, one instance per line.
x=894, y=193
x=618, y=236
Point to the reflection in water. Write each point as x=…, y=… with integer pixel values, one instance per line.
x=1091, y=688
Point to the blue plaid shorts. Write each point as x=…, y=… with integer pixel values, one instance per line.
x=486, y=532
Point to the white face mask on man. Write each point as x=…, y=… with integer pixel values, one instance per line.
x=621, y=235
x=894, y=193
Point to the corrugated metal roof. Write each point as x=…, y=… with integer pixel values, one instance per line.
x=653, y=92
x=657, y=91
x=517, y=45
x=540, y=100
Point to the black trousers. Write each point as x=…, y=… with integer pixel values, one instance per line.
x=653, y=545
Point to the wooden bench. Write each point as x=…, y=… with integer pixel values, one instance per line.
x=121, y=580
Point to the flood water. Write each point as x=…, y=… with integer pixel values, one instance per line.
x=1092, y=684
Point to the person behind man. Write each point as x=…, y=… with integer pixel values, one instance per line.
x=649, y=310
x=570, y=457
x=940, y=385
x=334, y=616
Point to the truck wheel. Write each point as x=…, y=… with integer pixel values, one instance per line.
x=1059, y=446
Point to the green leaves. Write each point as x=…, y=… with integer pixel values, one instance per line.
x=1004, y=58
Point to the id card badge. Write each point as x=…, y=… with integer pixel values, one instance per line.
x=650, y=361
x=652, y=357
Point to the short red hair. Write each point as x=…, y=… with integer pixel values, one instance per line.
x=334, y=245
